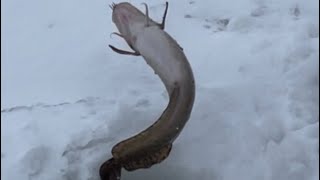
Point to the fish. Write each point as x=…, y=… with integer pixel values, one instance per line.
x=166, y=57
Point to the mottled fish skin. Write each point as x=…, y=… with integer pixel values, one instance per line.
x=164, y=55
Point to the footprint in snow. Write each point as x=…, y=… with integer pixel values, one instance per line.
x=35, y=160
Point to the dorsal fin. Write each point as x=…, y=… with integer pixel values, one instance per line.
x=148, y=159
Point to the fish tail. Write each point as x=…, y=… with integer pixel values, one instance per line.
x=110, y=170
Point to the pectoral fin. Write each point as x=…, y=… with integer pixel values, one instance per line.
x=120, y=51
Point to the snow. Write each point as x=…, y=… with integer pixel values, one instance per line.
x=67, y=98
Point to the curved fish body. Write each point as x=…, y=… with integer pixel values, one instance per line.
x=163, y=54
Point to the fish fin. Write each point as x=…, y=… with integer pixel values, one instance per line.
x=147, y=14
x=120, y=51
x=110, y=170
x=162, y=25
x=149, y=159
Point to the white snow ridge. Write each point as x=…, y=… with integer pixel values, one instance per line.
x=67, y=99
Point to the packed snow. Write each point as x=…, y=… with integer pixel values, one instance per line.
x=67, y=98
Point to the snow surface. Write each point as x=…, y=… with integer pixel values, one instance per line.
x=67, y=98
